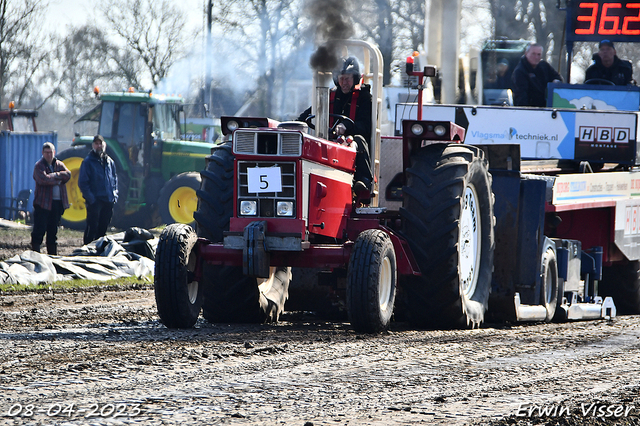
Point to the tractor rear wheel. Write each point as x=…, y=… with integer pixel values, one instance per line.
x=232, y=297
x=215, y=196
x=448, y=221
x=178, y=200
x=74, y=217
x=178, y=295
x=371, y=282
x=622, y=283
x=229, y=295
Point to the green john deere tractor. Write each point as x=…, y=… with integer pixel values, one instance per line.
x=157, y=181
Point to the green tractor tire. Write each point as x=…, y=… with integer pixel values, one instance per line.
x=74, y=217
x=178, y=200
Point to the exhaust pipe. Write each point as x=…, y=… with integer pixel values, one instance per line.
x=323, y=85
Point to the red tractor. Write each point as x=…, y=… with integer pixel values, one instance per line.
x=273, y=197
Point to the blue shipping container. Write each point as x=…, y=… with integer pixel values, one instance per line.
x=19, y=152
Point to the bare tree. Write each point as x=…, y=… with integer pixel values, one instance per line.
x=530, y=20
x=375, y=22
x=267, y=32
x=21, y=53
x=153, y=33
x=84, y=59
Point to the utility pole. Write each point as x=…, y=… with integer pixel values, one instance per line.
x=442, y=42
x=207, y=56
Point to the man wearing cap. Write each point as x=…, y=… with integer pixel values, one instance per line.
x=607, y=66
x=530, y=78
x=50, y=198
x=98, y=182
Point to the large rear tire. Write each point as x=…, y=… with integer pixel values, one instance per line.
x=448, y=220
x=178, y=200
x=231, y=297
x=622, y=283
x=371, y=282
x=178, y=295
x=215, y=196
x=75, y=216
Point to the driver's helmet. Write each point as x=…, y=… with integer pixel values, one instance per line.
x=348, y=65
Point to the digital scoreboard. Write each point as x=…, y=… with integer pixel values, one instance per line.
x=603, y=20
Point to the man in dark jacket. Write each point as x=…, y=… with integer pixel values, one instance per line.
x=607, y=66
x=98, y=182
x=530, y=78
x=50, y=199
x=352, y=99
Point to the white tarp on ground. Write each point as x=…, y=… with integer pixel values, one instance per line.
x=103, y=259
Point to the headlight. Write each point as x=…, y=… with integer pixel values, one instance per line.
x=232, y=125
x=284, y=208
x=248, y=208
x=439, y=130
x=417, y=129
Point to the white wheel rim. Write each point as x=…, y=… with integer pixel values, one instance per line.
x=469, y=242
x=192, y=287
x=385, y=283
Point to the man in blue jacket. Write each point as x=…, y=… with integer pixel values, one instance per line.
x=98, y=182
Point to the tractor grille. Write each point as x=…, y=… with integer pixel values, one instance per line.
x=268, y=143
x=267, y=201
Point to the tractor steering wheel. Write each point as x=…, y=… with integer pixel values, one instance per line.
x=339, y=119
x=600, y=81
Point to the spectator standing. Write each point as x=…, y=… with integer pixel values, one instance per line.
x=50, y=199
x=98, y=182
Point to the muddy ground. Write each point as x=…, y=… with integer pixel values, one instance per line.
x=101, y=356
x=15, y=241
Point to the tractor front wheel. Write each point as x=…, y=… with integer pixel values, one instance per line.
x=178, y=200
x=371, y=282
x=178, y=295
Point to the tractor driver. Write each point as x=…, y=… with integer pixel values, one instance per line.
x=353, y=100
x=607, y=66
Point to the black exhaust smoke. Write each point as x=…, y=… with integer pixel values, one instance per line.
x=333, y=24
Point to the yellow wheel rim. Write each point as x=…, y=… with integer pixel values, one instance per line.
x=76, y=211
x=182, y=203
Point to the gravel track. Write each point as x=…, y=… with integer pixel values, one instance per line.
x=105, y=351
